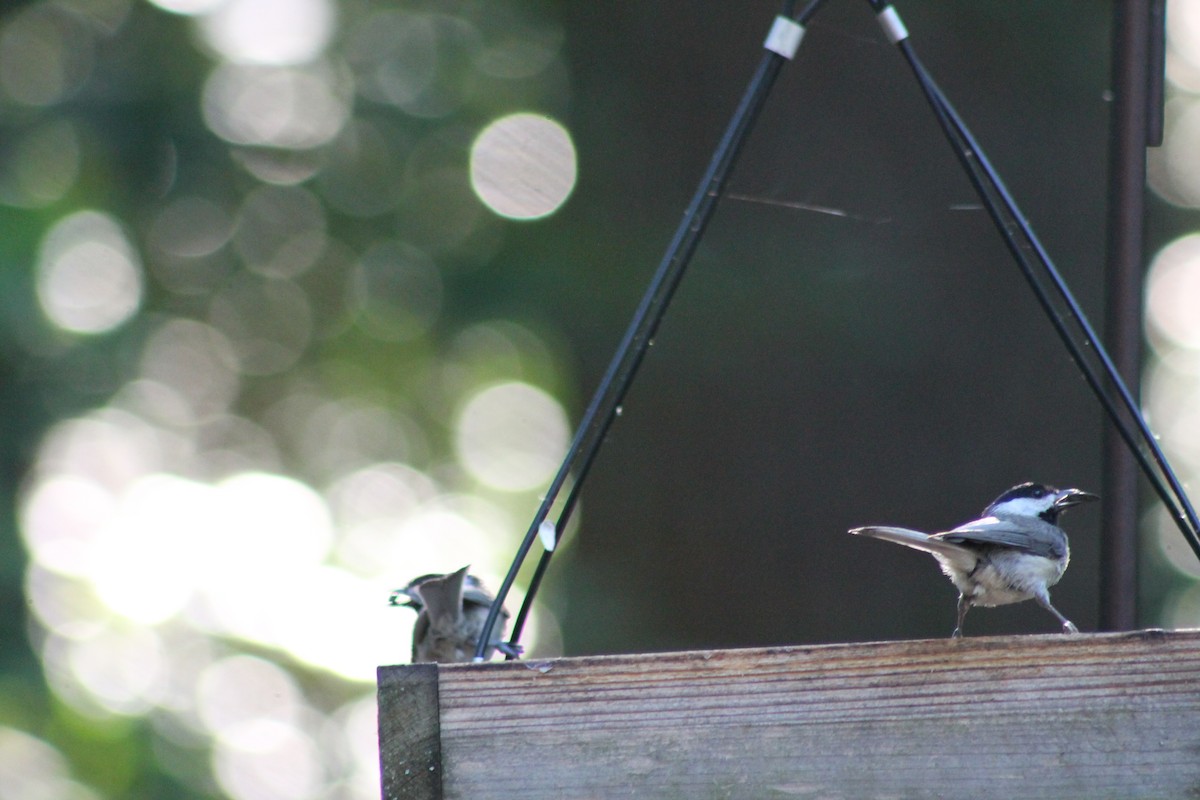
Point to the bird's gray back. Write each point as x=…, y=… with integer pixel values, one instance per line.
x=1030, y=535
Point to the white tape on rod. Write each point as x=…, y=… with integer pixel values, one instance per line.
x=784, y=37
x=892, y=25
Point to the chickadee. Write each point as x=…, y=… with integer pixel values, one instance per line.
x=451, y=611
x=1014, y=552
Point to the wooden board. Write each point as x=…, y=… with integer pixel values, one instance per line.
x=1088, y=716
x=410, y=746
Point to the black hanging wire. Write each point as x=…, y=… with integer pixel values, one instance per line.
x=1020, y=239
x=610, y=394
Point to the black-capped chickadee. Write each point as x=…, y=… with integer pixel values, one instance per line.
x=1014, y=552
x=451, y=611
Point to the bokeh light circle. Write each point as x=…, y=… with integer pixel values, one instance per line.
x=47, y=54
x=512, y=436
x=32, y=768
x=1183, y=36
x=1174, y=168
x=43, y=166
x=274, y=32
x=523, y=166
x=188, y=7
x=397, y=290
x=1173, y=293
x=89, y=277
x=274, y=106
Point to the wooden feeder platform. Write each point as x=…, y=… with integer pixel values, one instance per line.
x=1057, y=717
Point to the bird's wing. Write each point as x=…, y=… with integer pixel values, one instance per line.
x=443, y=598
x=477, y=595
x=992, y=530
x=420, y=637
x=953, y=552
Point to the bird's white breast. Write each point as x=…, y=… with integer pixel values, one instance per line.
x=1005, y=577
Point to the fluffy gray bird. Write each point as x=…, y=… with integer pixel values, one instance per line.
x=451, y=611
x=1016, y=551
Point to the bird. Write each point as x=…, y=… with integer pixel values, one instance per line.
x=451, y=612
x=1016, y=551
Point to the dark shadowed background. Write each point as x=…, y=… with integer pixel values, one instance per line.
x=819, y=371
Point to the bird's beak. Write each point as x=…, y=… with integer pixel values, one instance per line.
x=1073, y=497
x=404, y=598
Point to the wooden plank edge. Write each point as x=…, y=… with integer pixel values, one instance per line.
x=410, y=732
x=887, y=648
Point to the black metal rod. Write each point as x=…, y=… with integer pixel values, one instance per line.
x=610, y=394
x=535, y=583
x=1009, y=224
x=1129, y=127
x=1009, y=220
x=1174, y=498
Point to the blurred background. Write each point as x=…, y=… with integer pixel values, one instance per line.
x=303, y=298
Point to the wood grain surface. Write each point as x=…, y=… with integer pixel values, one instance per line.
x=1087, y=716
x=410, y=746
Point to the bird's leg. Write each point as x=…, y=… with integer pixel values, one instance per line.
x=509, y=649
x=964, y=605
x=1043, y=600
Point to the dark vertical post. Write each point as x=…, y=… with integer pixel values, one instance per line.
x=1134, y=25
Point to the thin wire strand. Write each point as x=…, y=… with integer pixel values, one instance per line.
x=610, y=394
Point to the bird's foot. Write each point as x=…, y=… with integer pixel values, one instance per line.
x=1069, y=627
x=509, y=649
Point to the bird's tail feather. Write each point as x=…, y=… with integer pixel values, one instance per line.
x=913, y=539
x=443, y=597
